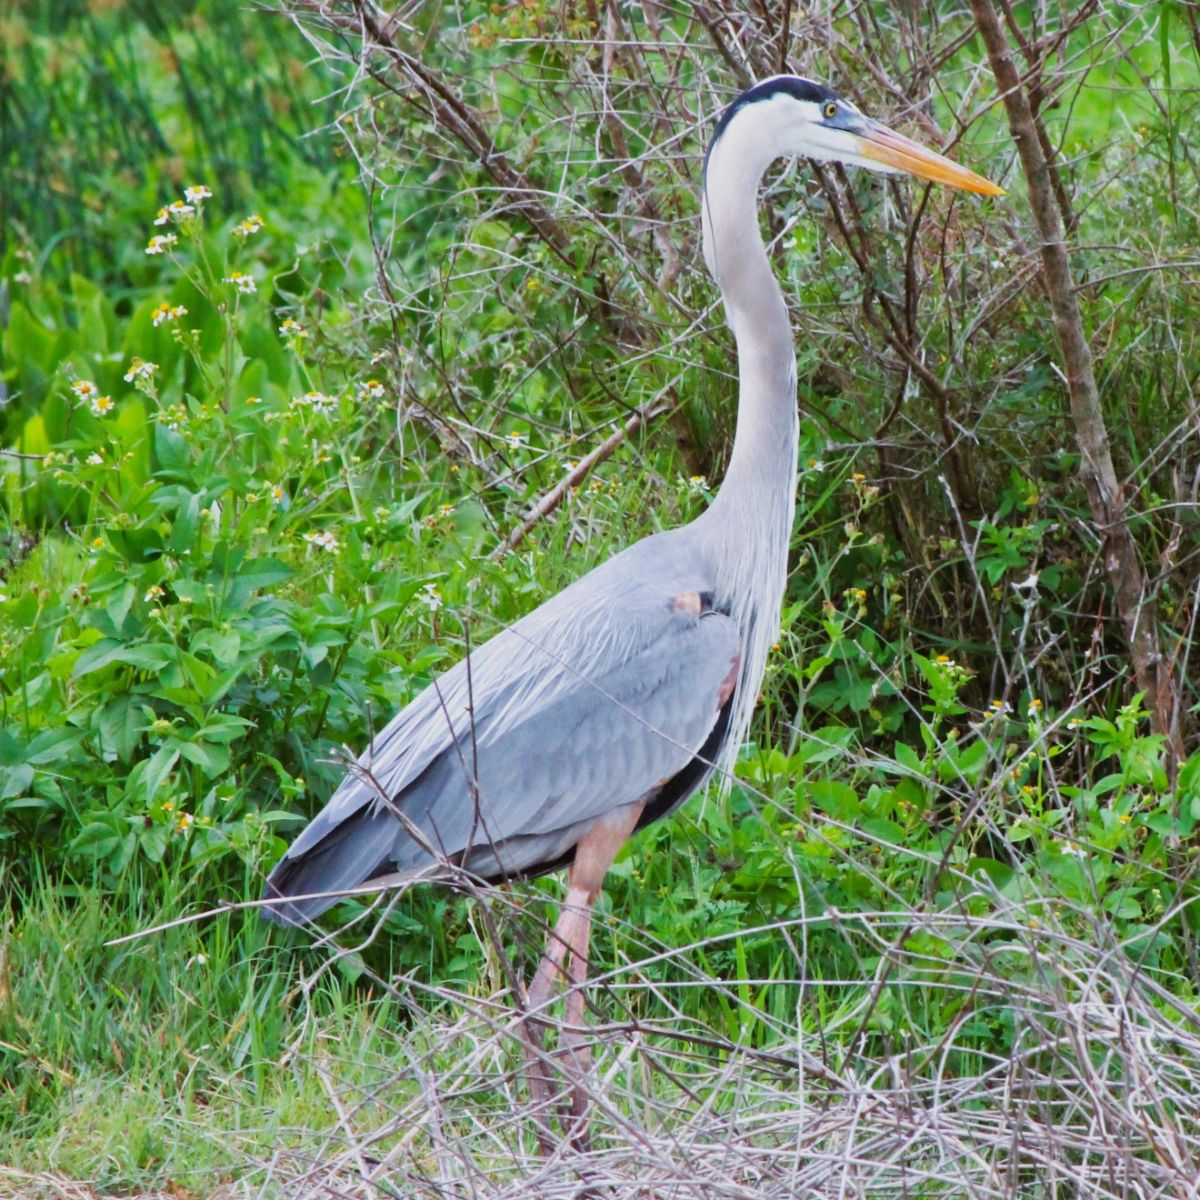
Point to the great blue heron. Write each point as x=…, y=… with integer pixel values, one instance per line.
x=612, y=703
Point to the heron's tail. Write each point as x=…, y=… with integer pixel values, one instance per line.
x=353, y=853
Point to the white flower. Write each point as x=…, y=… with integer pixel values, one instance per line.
x=431, y=597
x=371, y=390
x=243, y=282
x=178, y=210
x=84, y=388
x=163, y=216
x=515, y=440
x=102, y=405
x=95, y=460
x=325, y=540
x=22, y=277
x=140, y=370
x=196, y=193
x=318, y=401
x=161, y=243
x=252, y=224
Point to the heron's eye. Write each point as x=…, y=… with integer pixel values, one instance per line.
x=830, y=109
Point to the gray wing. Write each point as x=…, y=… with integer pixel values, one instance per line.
x=592, y=702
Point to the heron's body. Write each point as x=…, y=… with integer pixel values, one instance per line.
x=562, y=733
x=614, y=701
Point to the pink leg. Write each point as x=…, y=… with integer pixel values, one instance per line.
x=533, y=1028
x=594, y=854
x=577, y=1056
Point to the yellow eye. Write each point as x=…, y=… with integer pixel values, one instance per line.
x=830, y=109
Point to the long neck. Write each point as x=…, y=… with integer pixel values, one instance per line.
x=764, y=448
x=748, y=526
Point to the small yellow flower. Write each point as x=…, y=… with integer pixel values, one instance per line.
x=161, y=243
x=178, y=210
x=84, y=389
x=515, y=440
x=293, y=329
x=102, y=405
x=1124, y=818
x=372, y=389
x=944, y=659
x=163, y=216
x=153, y=592
x=858, y=477
x=254, y=399
x=447, y=509
x=277, y=493
x=184, y=823
x=97, y=543
x=252, y=224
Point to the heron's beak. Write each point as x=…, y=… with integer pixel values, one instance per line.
x=894, y=150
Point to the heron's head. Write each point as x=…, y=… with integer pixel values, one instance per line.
x=787, y=115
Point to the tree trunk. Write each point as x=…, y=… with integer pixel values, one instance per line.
x=1138, y=611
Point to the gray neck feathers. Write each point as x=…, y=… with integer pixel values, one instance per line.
x=747, y=529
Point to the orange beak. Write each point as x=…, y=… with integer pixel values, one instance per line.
x=881, y=145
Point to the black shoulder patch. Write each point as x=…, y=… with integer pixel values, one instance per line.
x=787, y=85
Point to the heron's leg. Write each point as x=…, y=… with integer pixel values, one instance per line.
x=594, y=853
x=561, y=940
x=533, y=1026
x=575, y=1053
